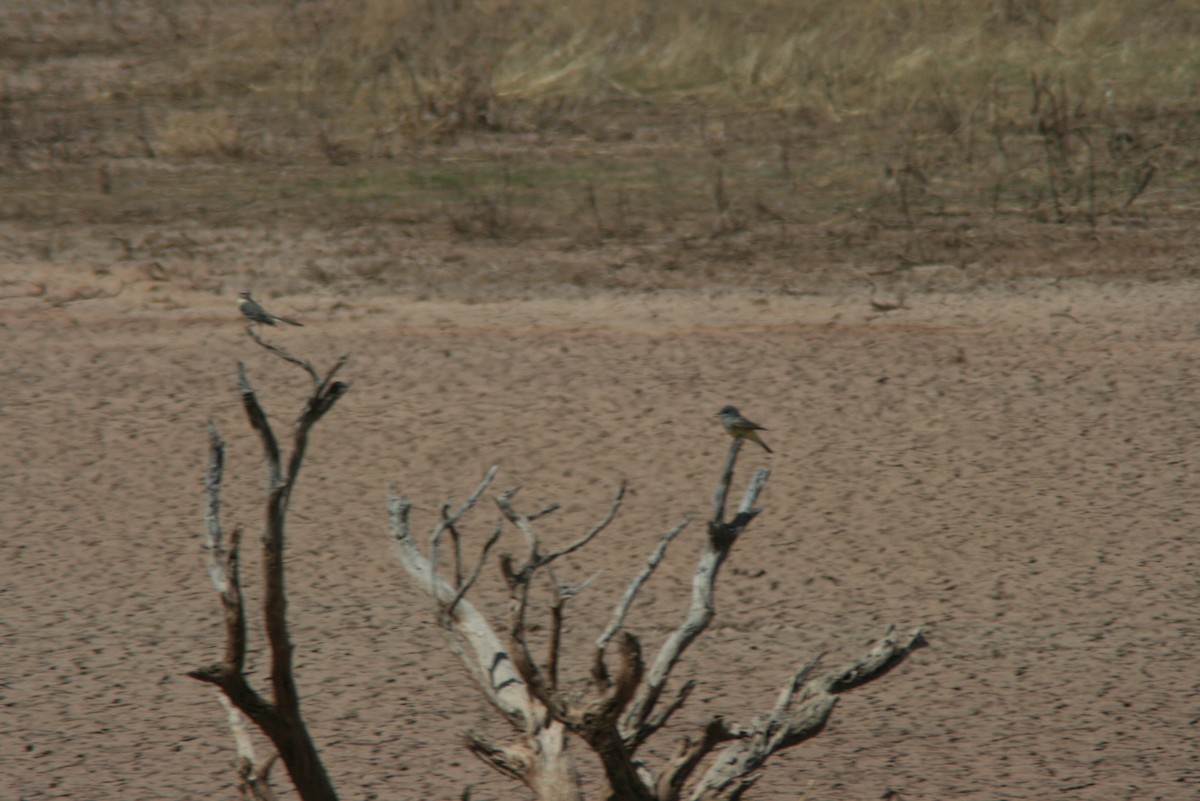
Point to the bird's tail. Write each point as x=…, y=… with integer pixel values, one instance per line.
x=754, y=436
x=289, y=322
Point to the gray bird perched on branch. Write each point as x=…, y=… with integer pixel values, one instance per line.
x=739, y=427
x=250, y=309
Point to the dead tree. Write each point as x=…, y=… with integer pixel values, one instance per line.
x=624, y=703
x=279, y=717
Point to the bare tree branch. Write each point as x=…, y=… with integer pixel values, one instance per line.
x=214, y=547
x=595, y=722
x=321, y=401
x=621, y=711
x=631, y=591
x=672, y=781
x=504, y=501
x=886, y=654
x=721, y=536
x=283, y=354
x=222, y=561
x=539, y=767
x=535, y=678
x=588, y=537
x=449, y=521
x=724, y=479
x=489, y=664
x=261, y=425
x=464, y=586
x=283, y=685
x=736, y=768
x=598, y=725
x=786, y=695
x=629, y=675
x=456, y=539
x=542, y=683
x=536, y=560
x=545, y=510
x=562, y=594
x=541, y=761
x=510, y=761
x=223, y=571
x=280, y=719
x=557, y=615
x=254, y=775
x=660, y=718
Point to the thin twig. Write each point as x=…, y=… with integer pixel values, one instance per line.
x=398, y=509
x=557, y=615
x=283, y=354
x=522, y=659
x=504, y=501
x=447, y=523
x=235, y=609
x=588, y=537
x=325, y=383
x=456, y=540
x=635, y=585
x=562, y=594
x=467, y=505
x=466, y=585
x=545, y=510
x=1149, y=170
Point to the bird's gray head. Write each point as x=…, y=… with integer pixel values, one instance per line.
x=727, y=410
x=245, y=293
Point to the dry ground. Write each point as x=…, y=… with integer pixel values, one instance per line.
x=1011, y=467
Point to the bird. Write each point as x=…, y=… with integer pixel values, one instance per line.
x=255, y=313
x=739, y=427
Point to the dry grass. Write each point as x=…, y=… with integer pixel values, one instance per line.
x=1060, y=111
x=898, y=133
x=954, y=62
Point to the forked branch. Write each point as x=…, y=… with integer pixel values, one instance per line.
x=789, y=723
x=468, y=632
x=721, y=537
x=279, y=718
x=540, y=760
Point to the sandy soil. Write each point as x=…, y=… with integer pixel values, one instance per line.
x=1011, y=468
